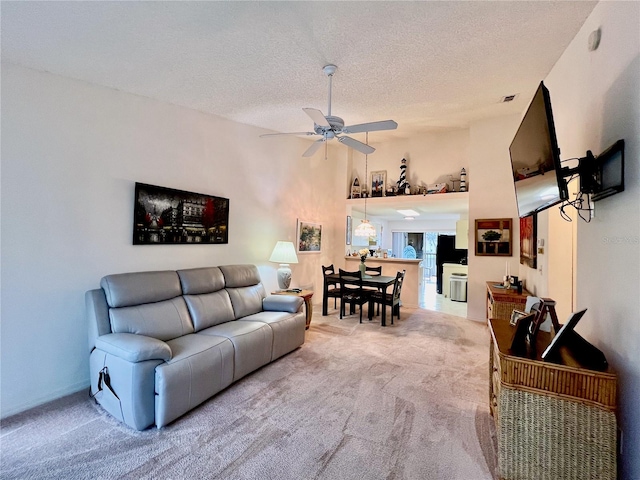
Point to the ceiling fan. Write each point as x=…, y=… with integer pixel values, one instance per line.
x=329, y=127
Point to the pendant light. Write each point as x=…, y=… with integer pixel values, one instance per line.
x=365, y=229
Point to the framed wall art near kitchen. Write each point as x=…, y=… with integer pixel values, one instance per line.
x=528, y=240
x=309, y=237
x=493, y=237
x=378, y=183
x=165, y=216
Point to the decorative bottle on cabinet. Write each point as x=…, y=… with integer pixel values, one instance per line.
x=463, y=180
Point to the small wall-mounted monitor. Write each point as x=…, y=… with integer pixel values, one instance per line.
x=535, y=158
x=609, y=172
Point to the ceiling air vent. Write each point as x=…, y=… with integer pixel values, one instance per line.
x=509, y=98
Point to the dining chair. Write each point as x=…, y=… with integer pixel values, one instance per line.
x=352, y=292
x=390, y=299
x=373, y=271
x=332, y=287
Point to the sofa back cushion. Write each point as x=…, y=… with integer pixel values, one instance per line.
x=201, y=280
x=164, y=320
x=147, y=303
x=207, y=300
x=127, y=289
x=209, y=309
x=244, y=287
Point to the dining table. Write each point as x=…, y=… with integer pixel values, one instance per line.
x=381, y=282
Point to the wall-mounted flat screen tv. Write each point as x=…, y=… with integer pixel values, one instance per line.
x=535, y=158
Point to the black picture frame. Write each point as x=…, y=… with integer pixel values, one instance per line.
x=166, y=216
x=519, y=344
x=562, y=336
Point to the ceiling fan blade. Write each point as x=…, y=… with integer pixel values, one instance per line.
x=287, y=133
x=317, y=116
x=356, y=145
x=314, y=147
x=371, y=127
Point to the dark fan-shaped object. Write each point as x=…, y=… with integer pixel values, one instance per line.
x=328, y=127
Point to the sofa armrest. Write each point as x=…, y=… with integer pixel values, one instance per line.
x=282, y=303
x=133, y=347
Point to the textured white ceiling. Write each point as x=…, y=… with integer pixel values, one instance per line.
x=427, y=65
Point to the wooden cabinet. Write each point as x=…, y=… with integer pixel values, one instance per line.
x=501, y=301
x=553, y=421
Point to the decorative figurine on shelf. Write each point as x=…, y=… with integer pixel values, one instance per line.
x=463, y=180
x=403, y=186
x=355, y=188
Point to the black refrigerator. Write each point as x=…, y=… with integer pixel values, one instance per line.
x=446, y=252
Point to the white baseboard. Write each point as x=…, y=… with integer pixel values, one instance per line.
x=62, y=392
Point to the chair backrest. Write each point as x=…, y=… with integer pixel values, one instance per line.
x=373, y=271
x=397, y=286
x=330, y=270
x=350, y=279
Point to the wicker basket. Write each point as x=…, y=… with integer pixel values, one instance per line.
x=541, y=437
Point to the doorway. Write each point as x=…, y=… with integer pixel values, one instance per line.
x=426, y=246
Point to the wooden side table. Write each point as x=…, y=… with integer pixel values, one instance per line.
x=553, y=421
x=306, y=295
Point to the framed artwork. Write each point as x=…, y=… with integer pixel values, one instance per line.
x=164, y=216
x=528, y=240
x=349, y=226
x=378, y=183
x=309, y=237
x=493, y=237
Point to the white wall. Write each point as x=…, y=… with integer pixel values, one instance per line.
x=596, y=101
x=71, y=153
x=491, y=195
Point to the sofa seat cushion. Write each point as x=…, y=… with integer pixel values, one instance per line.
x=252, y=342
x=162, y=320
x=288, y=330
x=201, y=366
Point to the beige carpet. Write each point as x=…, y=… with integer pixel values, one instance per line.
x=408, y=401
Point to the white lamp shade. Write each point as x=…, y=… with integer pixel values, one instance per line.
x=284, y=252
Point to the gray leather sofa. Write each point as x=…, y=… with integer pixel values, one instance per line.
x=163, y=342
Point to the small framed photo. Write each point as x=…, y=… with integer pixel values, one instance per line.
x=520, y=333
x=309, y=237
x=515, y=315
x=378, y=183
x=493, y=237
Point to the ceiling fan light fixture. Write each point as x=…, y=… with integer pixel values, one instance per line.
x=330, y=126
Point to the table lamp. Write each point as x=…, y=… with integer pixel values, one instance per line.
x=284, y=253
